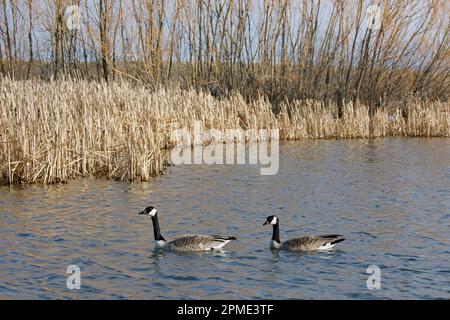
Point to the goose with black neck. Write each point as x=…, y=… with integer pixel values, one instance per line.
x=192, y=242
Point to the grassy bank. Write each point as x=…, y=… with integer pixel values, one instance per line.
x=54, y=131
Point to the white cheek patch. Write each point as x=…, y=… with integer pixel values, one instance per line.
x=152, y=213
x=274, y=221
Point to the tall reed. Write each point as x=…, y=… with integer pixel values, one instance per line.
x=54, y=131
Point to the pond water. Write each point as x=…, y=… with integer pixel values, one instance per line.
x=390, y=198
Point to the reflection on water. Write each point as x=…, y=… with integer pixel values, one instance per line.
x=390, y=198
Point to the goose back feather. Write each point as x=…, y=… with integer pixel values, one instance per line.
x=308, y=243
x=198, y=242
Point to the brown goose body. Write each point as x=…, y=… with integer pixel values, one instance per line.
x=308, y=243
x=197, y=242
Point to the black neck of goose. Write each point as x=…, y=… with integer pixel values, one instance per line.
x=156, y=230
x=276, y=233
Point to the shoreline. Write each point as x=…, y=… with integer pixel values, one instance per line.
x=52, y=132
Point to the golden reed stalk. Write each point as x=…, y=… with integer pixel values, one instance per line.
x=54, y=131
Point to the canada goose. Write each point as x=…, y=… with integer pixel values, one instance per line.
x=187, y=242
x=306, y=243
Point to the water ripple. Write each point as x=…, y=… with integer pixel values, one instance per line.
x=390, y=198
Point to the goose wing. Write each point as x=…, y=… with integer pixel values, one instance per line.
x=199, y=242
x=312, y=242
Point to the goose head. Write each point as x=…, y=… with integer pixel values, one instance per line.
x=151, y=211
x=273, y=220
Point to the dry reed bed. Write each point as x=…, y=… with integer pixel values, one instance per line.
x=54, y=131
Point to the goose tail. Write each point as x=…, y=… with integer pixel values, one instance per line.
x=337, y=240
x=221, y=237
